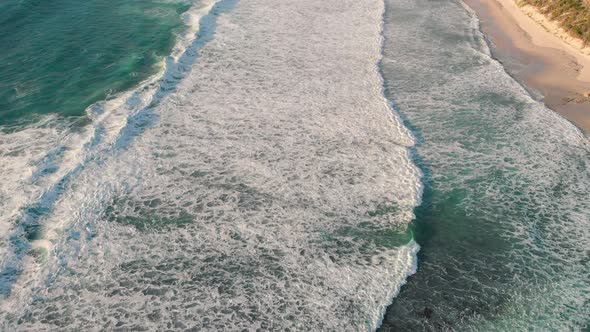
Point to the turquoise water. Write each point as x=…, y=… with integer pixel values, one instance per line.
x=59, y=57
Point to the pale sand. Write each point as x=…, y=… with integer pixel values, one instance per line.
x=539, y=53
x=546, y=33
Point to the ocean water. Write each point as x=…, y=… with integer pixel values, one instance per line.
x=504, y=226
x=61, y=56
x=281, y=165
x=261, y=180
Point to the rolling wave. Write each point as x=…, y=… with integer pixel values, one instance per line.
x=261, y=180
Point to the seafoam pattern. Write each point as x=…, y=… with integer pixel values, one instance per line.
x=272, y=189
x=40, y=162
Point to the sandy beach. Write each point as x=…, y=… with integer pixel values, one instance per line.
x=555, y=66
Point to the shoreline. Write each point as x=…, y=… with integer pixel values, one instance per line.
x=531, y=49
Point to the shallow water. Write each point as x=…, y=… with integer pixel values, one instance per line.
x=503, y=227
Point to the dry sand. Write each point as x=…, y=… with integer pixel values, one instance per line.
x=541, y=55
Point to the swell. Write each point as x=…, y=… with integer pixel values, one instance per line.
x=28, y=234
x=119, y=155
x=300, y=206
x=61, y=57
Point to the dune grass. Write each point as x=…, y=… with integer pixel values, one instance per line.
x=572, y=15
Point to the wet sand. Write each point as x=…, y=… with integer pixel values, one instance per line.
x=556, y=70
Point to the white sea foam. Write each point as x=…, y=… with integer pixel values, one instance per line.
x=273, y=191
x=40, y=155
x=38, y=161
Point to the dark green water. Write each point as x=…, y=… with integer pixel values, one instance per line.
x=61, y=56
x=503, y=227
